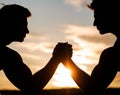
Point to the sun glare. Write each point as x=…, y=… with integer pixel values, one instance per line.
x=62, y=77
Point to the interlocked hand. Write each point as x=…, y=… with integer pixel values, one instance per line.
x=63, y=51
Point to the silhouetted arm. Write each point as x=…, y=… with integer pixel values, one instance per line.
x=16, y=71
x=82, y=79
x=101, y=77
x=44, y=75
x=106, y=70
x=20, y=75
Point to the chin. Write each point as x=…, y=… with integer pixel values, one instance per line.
x=20, y=40
x=103, y=32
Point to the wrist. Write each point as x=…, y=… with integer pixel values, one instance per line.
x=55, y=58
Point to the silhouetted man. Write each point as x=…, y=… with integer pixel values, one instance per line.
x=106, y=19
x=13, y=28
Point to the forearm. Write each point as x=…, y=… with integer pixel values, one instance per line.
x=82, y=79
x=42, y=77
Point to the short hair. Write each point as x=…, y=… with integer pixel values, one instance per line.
x=109, y=4
x=12, y=11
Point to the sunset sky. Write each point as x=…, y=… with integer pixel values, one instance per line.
x=54, y=21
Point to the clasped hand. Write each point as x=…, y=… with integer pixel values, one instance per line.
x=63, y=52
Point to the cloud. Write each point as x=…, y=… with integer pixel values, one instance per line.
x=45, y=47
x=35, y=43
x=36, y=50
x=78, y=4
x=87, y=42
x=88, y=34
x=1, y=5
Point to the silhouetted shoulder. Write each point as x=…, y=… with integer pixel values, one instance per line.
x=110, y=57
x=9, y=57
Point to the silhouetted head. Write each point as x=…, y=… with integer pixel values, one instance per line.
x=106, y=14
x=13, y=23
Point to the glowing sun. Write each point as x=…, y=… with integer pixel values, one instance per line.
x=62, y=77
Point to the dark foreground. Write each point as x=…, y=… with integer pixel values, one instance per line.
x=110, y=91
